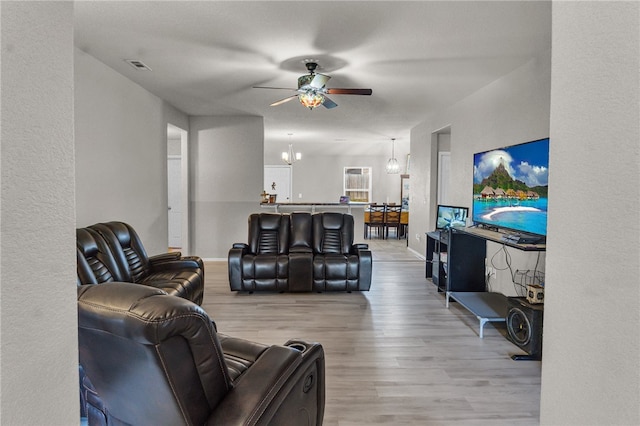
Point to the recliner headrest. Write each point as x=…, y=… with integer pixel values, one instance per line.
x=86, y=242
x=270, y=221
x=121, y=231
x=331, y=220
x=142, y=313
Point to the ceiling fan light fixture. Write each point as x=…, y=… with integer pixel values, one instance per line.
x=311, y=99
x=393, y=167
x=304, y=81
x=312, y=89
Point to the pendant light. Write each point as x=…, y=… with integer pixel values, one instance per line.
x=392, y=165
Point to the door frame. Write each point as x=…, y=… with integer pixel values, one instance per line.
x=184, y=187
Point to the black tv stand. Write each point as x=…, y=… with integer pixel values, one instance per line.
x=455, y=264
x=523, y=239
x=509, y=239
x=487, y=227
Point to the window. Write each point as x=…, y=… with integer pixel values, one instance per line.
x=357, y=184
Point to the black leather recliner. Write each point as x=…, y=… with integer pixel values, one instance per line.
x=113, y=251
x=263, y=263
x=300, y=252
x=338, y=264
x=157, y=359
x=96, y=264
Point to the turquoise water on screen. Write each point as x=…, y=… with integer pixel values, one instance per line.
x=534, y=222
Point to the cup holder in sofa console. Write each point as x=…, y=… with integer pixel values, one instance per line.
x=298, y=346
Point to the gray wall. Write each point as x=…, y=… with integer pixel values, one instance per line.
x=121, y=152
x=226, y=180
x=511, y=110
x=591, y=351
x=38, y=338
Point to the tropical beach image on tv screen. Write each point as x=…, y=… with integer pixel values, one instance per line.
x=510, y=187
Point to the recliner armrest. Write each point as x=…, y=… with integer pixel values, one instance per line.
x=360, y=250
x=365, y=266
x=234, y=261
x=180, y=263
x=164, y=257
x=285, y=386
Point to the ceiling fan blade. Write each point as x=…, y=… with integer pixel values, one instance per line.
x=328, y=103
x=319, y=80
x=276, y=88
x=349, y=91
x=281, y=101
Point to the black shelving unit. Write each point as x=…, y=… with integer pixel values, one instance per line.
x=455, y=261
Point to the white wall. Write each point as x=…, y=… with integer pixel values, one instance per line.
x=385, y=187
x=591, y=353
x=305, y=180
x=226, y=181
x=121, y=151
x=511, y=110
x=38, y=340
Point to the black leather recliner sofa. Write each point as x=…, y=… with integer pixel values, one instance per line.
x=300, y=252
x=113, y=252
x=155, y=359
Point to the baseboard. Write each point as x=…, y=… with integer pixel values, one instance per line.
x=420, y=255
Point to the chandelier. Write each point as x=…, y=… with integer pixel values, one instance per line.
x=290, y=156
x=392, y=165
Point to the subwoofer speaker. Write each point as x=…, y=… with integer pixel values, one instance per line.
x=524, y=325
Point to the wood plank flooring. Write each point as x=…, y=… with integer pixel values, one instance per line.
x=394, y=355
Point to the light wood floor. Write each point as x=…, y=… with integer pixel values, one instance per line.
x=394, y=355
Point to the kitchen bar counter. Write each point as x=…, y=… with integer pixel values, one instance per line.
x=313, y=206
x=354, y=209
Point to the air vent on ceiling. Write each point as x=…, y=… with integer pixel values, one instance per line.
x=137, y=65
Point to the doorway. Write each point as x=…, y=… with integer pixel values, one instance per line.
x=444, y=177
x=277, y=180
x=443, y=141
x=177, y=189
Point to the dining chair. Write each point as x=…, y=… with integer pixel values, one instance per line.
x=376, y=220
x=392, y=219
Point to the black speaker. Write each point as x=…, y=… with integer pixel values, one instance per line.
x=524, y=325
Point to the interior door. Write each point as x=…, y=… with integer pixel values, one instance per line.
x=444, y=177
x=174, y=198
x=277, y=180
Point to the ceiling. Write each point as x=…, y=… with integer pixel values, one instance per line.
x=417, y=56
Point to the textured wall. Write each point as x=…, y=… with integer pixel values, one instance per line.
x=38, y=346
x=121, y=151
x=511, y=110
x=591, y=351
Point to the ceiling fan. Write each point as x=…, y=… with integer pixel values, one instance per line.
x=312, y=90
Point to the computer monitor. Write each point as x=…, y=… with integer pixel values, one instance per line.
x=451, y=217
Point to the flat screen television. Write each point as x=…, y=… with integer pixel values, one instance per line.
x=510, y=187
x=451, y=217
